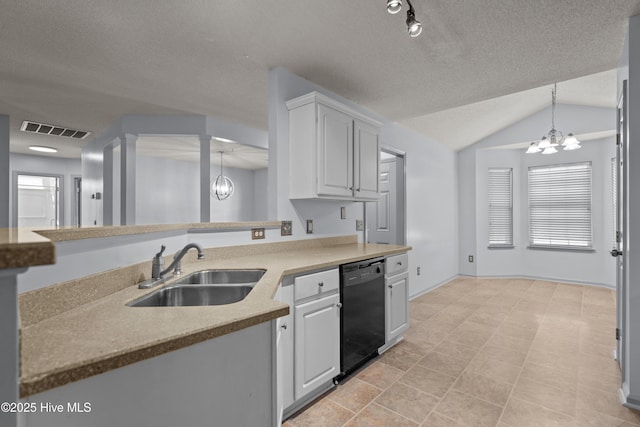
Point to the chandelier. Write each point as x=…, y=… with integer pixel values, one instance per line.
x=554, y=138
x=222, y=187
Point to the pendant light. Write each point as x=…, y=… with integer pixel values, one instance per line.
x=554, y=138
x=222, y=187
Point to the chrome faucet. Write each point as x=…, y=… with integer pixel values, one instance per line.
x=176, y=265
x=157, y=273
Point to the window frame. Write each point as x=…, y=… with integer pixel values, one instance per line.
x=563, y=208
x=505, y=205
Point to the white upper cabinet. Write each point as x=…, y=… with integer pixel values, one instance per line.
x=333, y=150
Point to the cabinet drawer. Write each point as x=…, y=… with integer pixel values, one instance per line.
x=317, y=283
x=397, y=263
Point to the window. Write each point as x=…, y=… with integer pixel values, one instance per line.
x=560, y=206
x=500, y=207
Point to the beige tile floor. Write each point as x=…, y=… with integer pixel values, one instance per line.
x=490, y=352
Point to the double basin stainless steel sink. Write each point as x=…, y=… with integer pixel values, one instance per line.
x=206, y=287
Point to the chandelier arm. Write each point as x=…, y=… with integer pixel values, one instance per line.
x=553, y=107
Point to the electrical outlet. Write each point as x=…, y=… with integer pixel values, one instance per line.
x=309, y=226
x=470, y=258
x=257, y=233
x=418, y=271
x=343, y=213
x=359, y=225
x=286, y=228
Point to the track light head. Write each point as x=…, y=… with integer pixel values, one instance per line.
x=413, y=25
x=394, y=6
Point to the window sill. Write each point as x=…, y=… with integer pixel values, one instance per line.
x=561, y=248
x=500, y=247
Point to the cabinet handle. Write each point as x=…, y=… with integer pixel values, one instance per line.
x=399, y=262
x=390, y=287
x=321, y=284
x=284, y=326
x=339, y=305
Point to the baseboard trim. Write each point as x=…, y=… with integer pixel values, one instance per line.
x=628, y=400
x=548, y=279
x=436, y=286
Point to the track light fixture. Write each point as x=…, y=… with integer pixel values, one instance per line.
x=413, y=25
x=394, y=6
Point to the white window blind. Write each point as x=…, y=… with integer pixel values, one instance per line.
x=500, y=207
x=560, y=205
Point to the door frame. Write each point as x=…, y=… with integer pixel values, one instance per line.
x=622, y=243
x=398, y=153
x=14, y=195
x=76, y=206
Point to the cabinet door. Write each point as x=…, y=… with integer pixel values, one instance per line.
x=366, y=149
x=335, y=153
x=284, y=351
x=397, y=305
x=317, y=343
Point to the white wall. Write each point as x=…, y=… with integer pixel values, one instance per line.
x=431, y=187
x=168, y=192
x=595, y=267
x=47, y=165
x=473, y=162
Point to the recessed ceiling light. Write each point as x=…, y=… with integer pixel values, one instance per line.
x=42, y=149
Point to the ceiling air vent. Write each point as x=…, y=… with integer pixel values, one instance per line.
x=44, y=129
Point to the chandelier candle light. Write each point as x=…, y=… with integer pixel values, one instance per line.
x=222, y=187
x=554, y=138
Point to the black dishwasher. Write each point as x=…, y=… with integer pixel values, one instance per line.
x=362, y=317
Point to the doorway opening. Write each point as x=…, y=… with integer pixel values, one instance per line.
x=37, y=200
x=77, y=201
x=386, y=219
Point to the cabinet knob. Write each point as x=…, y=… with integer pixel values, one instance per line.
x=321, y=284
x=399, y=262
x=390, y=287
x=339, y=305
x=284, y=326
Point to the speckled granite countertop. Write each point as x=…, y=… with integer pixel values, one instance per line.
x=91, y=336
x=24, y=248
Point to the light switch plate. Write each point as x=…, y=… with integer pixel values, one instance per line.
x=359, y=225
x=286, y=228
x=343, y=213
x=309, y=226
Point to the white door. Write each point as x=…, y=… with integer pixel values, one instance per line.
x=385, y=218
x=37, y=201
x=619, y=251
x=397, y=310
x=317, y=343
x=367, y=154
x=335, y=153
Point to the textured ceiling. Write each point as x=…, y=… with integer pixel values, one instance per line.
x=83, y=63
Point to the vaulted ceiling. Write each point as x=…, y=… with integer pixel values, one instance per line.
x=84, y=63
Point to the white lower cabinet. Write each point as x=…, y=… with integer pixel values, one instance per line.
x=397, y=297
x=284, y=353
x=397, y=305
x=307, y=340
